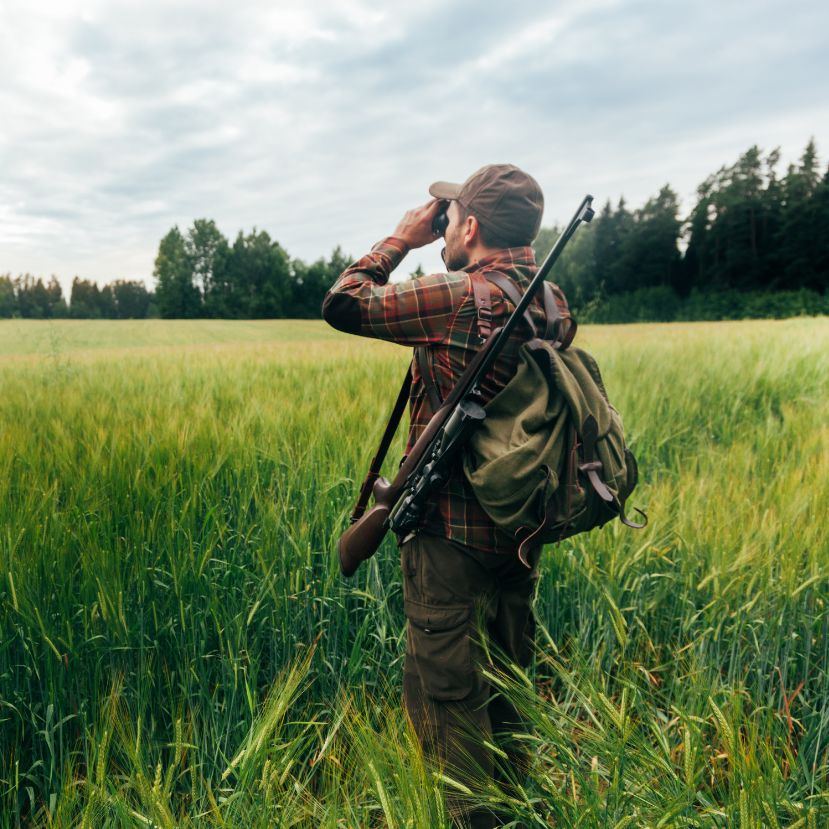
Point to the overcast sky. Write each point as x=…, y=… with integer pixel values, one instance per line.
x=323, y=122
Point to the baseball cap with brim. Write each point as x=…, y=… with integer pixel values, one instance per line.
x=445, y=190
x=502, y=197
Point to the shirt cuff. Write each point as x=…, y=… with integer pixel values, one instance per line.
x=392, y=250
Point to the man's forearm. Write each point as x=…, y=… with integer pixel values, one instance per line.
x=378, y=264
x=341, y=305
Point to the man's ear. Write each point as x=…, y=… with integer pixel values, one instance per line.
x=470, y=230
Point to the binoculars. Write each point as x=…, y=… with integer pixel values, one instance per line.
x=441, y=220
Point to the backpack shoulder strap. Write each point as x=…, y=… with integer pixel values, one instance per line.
x=561, y=327
x=551, y=311
x=483, y=303
x=512, y=293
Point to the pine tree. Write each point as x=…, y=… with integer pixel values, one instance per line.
x=821, y=237
x=575, y=272
x=106, y=303
x=612, y=230
x=649, y=249
x=84, y=299
x=801, y=232
x=732, y=227
x=32, y=297
x=57, y=304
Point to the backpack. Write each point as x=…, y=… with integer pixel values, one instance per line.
x=550, y=459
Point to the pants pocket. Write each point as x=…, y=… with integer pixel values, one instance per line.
x=407, y=559
x=439, y=647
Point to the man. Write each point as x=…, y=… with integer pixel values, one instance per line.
x=459, y=569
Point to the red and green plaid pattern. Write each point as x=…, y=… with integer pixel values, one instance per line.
x=438, y=311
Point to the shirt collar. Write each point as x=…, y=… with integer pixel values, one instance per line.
x=506, y=258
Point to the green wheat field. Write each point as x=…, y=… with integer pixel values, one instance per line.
x=177, y=647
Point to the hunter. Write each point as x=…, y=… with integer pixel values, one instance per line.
x=461, y=574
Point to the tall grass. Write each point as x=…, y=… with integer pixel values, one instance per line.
x=177, y=647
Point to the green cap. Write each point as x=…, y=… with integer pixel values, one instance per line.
x=502, y=197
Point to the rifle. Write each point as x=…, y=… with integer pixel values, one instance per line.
x=399, y=504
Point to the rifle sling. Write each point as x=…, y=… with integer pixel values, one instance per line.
x=426, y=376
x=377, y=462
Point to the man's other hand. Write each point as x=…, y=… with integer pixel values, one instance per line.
x=415, y=228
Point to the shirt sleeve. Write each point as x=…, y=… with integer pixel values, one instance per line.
x=413, y=312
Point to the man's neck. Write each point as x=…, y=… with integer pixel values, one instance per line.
x=480, y=253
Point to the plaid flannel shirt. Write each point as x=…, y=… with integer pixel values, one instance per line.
x=437, y=311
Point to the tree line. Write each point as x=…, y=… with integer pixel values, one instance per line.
x=754, y=240
x=755, y=243
x=197, y=274
x=31, y=297
x=201, y=274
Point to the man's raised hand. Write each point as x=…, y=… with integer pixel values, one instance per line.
x=415, y=228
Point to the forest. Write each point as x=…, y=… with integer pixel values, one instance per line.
x=754, y=244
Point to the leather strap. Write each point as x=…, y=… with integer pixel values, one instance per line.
x=555, y=303
x=377, y=462
x=427, y=378
x=561, y=327
x=483, y=304
x=591, y=464
x=512, y=293
x=535, y=537
x=551, y=330
x=625, y=520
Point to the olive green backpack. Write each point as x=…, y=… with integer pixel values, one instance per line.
x=550, y=459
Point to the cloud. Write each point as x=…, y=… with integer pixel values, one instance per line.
x=322, y=123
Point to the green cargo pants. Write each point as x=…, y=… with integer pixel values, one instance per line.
x=448, y=590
